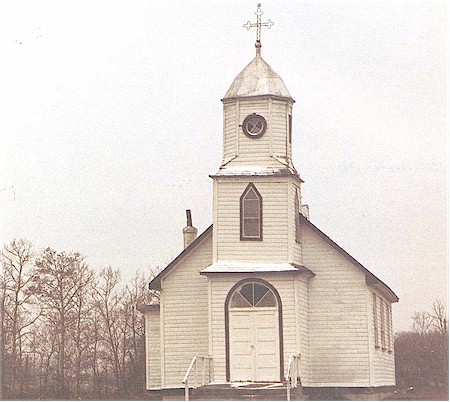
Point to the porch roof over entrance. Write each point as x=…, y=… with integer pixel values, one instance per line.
x=250, y=267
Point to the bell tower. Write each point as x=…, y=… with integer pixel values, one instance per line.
x=257, y=189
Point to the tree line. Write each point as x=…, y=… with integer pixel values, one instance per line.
x=421, y=355
x=67, y=331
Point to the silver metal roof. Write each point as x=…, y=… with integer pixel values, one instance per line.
x=222, y=267
x=257, y=79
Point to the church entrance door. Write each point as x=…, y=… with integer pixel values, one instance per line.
x=254, y=344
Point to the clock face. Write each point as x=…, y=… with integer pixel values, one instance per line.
x=254, y=125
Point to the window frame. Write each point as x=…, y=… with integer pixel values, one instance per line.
x=375, y=321
x=254, y=303
x=298, y=237
x=383, y=325
x=251, y=186
x=290, y=128
x=388, y=326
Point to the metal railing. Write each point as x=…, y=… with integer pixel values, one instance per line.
x=206, y=373
x=293, y=374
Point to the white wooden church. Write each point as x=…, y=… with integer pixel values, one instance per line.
x=263, y=289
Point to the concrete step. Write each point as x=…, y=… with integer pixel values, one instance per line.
x=243, y=392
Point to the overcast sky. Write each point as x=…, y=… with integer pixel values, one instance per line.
x=111, y=122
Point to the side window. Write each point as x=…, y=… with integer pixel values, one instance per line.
x=297, y=217
x=389, y=326
x=375, y=320
x=251, y=214
x=383, y=326
x=290, y=129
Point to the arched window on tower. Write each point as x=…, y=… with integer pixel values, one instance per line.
x=251, y=214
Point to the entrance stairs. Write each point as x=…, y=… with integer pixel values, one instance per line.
x=242, y=391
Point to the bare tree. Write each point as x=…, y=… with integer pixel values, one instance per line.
x=439, y=317
x=137, y=293
x=422, y=322
x=107, y=302
x=17, y=312
x=82, y=334
x=58, y=282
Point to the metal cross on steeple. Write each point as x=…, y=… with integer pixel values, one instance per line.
x=258, y=26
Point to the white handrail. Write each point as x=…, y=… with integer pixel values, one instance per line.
x=292, y=374
x=194, y=365
x=186, y=376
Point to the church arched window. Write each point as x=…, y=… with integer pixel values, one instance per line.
x=253, y=294
x=251, y=214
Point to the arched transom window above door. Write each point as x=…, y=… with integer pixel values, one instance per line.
x=253, y=294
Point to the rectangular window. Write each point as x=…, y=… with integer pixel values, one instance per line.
x=297, y=217
x=290, y=129
x=375, y=320
x=383, y=327
x=389, y=325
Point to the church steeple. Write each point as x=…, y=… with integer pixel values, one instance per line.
x=257, y=189
x=258, y=98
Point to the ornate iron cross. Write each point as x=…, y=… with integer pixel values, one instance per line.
x=258, y=23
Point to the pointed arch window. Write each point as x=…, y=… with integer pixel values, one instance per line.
x=251, y=214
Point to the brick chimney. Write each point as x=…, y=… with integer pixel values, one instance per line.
x=189, y=232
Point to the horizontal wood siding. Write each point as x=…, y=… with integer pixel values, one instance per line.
x=274, y=246
x=229, y=131
x=153, y=349
x=338, y=330
x=297, y=247
x=220, y=286
x=185, y=304
x=279, y=125
x=303, y=330
x=382, y=360
x=255, y=151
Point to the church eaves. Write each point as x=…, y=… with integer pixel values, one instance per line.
x=257, y=79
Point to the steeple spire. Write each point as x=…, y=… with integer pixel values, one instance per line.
x=258, y=26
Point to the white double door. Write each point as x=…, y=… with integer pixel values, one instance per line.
x=254, y=344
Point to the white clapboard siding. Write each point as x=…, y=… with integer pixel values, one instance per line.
x=279, y=127
x=294, y=189
x=220, y=287
x=303, y=327
x=382, y=363
x=256, y=151
x=338, y=331
x=274, y=246
x=229, y=131
x=153, y=349
x=185, y=313
x=253, y=150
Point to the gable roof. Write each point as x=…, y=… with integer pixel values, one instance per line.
x=155, y=283
x=371, y=279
